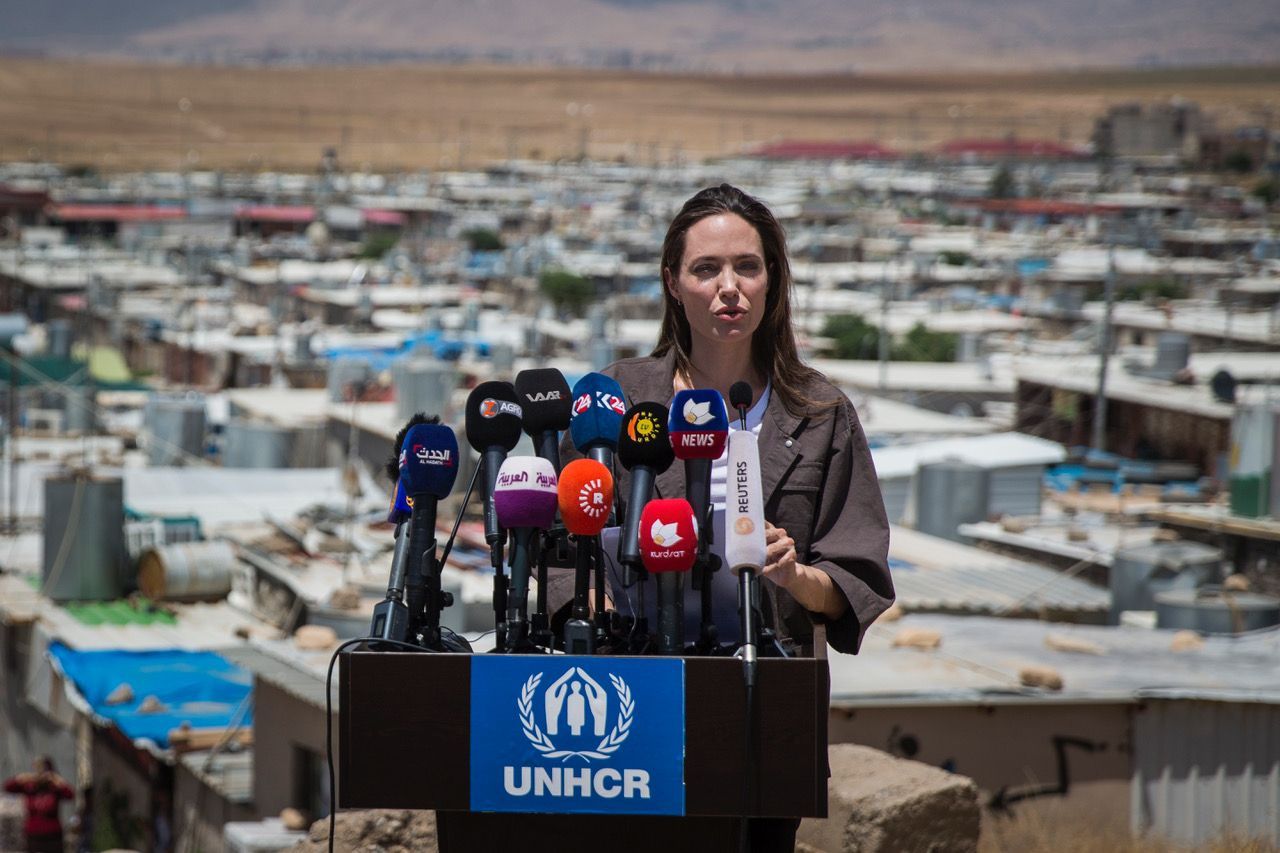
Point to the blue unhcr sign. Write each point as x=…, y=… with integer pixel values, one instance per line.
x=577, y=735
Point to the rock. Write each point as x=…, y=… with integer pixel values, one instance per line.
x=1073, y=645
x=1164, y=534
x=1011, y=524
x=315, y=638
x=1040, y=676
x=1236, y=583
x=877, y=803
x=122, y=695
x=152, y=705
x=293, y=820
x=374, y=831
x=1077, y=534
x=346, y=598
x=1186, y=641
x=893, y=614
x=917, y=638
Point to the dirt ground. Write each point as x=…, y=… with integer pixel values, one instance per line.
x=116, y=116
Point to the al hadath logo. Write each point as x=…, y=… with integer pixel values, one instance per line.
x=575, y=706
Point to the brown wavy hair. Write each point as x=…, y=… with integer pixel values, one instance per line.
x=773, y=346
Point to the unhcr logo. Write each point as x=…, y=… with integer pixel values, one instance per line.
x=575, y=710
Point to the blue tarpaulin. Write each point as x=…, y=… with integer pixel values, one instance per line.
x=199, y=688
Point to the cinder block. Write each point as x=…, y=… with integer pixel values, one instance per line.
x=881, y=804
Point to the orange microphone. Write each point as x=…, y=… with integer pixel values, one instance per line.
x=585, y=496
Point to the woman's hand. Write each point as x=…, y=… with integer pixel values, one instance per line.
x=779, y=556
x=813, y=588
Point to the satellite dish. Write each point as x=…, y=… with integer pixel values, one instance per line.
x=1223, y=385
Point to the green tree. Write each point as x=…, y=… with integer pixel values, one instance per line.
x=1002, y=183
x=378, y=244
x=483, y=240
x=853, y=336
x=567, y=291
x=1268, y=191
x=921, y=344
x=1238, y=161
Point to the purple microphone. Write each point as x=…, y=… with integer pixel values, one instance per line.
x=525, y=499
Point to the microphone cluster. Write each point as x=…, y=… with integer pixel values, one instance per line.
x=536, y=511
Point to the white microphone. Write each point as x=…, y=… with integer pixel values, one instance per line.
x=744, y=540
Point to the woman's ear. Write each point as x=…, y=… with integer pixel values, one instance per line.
x=668, y=285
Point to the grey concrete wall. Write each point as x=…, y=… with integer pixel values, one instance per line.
x=281, y=723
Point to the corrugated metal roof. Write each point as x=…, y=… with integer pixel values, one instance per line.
x=933, y=574
x=300, y=674
x=979, y=660
x=230, y=774
x=1002, y=450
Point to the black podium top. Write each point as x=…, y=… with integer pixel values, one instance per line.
x=405, y=734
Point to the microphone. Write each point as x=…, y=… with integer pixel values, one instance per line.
x=544, y=395
x=699, y=426
x=740, y=398
x=493, y=420
x=428, y=469
x=598, y=410
x=585, y=494
x=668, y=546
x=391, y=615
x=644, y=449
x=744, y=545
x=524, y=500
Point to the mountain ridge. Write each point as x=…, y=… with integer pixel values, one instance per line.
x=698, y=35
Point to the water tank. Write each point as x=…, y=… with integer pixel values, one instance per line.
x=1252, y=449
x=503, y=357
x=1212, y=610
x=1139, y=572
x=1173, y=352
x=424, y=385
x=345, y=371
x=248, y=444
x=78, y=402
x=186, y=571
x=176, y=429
x=602, y=353
x=12, y=325
x=948, y=494
x=84, y=553
x=59, y=332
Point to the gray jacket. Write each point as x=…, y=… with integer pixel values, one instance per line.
x=819, y=485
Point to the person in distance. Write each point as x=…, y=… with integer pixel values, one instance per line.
x=726, y=318
x=42, y=790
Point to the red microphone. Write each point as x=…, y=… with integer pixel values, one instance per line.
x=585, y=496
x=668, y=548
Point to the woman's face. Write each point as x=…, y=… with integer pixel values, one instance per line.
x=722, y=279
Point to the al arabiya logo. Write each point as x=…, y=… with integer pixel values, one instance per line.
x=576, y=702
x=697, y=413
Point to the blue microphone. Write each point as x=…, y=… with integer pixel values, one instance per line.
x=428, y=469
x=699, y=427
x=400, y=509
x=598, y=407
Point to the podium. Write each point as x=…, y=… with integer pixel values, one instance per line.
x=405, y=741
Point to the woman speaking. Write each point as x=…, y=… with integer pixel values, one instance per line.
x=727, y=318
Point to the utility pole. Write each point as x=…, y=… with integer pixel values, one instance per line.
x=883, y=338
x=1099, y=441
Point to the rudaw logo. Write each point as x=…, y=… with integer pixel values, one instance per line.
x=591, y=498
